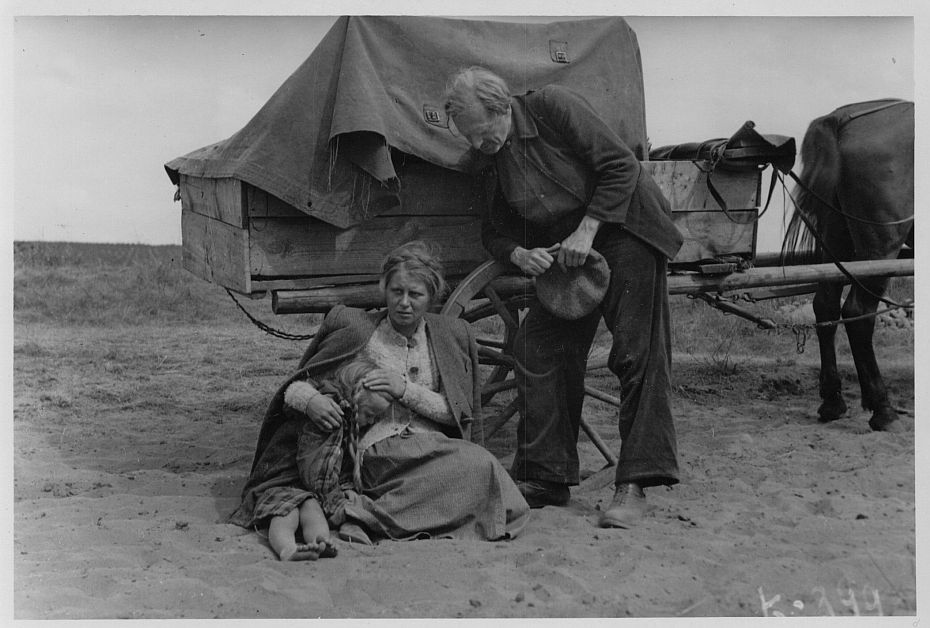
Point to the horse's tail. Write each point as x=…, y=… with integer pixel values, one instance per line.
x=820, y=156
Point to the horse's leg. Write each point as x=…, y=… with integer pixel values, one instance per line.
x=827, y=308
x=874, y=392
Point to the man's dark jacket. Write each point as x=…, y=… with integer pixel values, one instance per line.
x=570, y=164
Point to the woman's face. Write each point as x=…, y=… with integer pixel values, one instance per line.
x=407, y=299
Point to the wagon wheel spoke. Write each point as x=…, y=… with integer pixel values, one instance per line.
x=501, y=309
x=491, y=290
x=484, y=341
x=602, y=396
x=495, y=358
x=484, y=309
x=490, y=426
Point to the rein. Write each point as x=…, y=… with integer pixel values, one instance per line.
x=837, y=210
x=836, y=262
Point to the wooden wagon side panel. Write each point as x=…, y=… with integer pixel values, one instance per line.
x=684, y=183
x=309, y=247
x=245, y=239
x=220, y=199
x=215, y=251
x=709, y=232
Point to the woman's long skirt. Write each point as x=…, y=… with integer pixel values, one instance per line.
x=414, y=485
x=427, y=484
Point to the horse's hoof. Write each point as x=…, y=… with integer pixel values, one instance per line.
x=885, y=419
x=832, y=409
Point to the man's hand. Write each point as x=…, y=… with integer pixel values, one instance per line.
x=575, y=248
x=533, y=262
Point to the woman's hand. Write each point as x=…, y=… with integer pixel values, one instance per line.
x=381, y=380
x=533, y=262
x=324, y=412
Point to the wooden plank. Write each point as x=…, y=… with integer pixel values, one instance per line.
x=220, y=199
x=300, y=301
x=310, y=247
x=282, y=250
x=425, y=190
x=215, y=251
x=430, y=190
x=261, y=204
x=685, y=185
x=321, y=300
x=710, y=234
x=308, y=283
x=779, y=292
x=787, y=276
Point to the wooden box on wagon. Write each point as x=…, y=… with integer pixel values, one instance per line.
x=353, y=156
x=249, y=241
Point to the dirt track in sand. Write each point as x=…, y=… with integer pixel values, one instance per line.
x=131, y=444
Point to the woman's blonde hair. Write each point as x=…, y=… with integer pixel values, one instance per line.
x=418, y=259
x=349, y=377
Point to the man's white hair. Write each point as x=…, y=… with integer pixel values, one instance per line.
x=477, y=85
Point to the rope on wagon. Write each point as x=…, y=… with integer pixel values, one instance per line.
x=267, y=328
x=801, y=330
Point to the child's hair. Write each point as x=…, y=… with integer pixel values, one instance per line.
x=348, y=379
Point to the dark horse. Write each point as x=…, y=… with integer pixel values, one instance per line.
x=857, y=193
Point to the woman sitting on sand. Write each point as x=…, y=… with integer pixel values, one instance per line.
x=416, y=475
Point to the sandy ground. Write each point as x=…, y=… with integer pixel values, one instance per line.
x=131, y=445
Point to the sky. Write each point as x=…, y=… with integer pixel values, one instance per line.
x=101, y=102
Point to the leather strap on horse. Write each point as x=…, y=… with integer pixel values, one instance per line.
x=827, y=204
x=723, y=204
x=748, y=150
x=835, y=260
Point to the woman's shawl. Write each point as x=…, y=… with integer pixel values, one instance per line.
x=344, y=332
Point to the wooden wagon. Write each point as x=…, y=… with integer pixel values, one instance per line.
x=306, y=200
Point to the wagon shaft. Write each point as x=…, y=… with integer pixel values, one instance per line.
x=515, y=286
x=788, y=275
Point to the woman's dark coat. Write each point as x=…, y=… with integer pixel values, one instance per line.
x=344, y=332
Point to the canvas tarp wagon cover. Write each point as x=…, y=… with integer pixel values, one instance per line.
x=352, y=154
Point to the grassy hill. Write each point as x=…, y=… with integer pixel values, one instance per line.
x=131, y=284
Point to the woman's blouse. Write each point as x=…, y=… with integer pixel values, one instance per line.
x=422, y=407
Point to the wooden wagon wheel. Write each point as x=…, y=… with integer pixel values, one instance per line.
x=490, y=290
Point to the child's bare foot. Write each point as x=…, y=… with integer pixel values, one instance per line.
x=282, y=534
x=308, y=551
